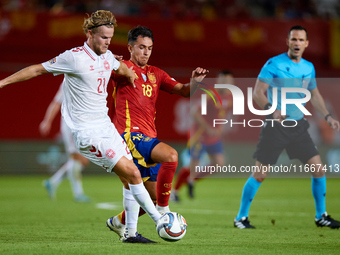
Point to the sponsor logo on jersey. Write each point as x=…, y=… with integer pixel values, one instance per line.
x=110, y=153
x=91, y=68
x=52, y=61
x=106, y=65
x=152, y=77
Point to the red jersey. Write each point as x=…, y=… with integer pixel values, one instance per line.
x=135, y=108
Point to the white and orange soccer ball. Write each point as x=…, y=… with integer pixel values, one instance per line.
x=171, y=227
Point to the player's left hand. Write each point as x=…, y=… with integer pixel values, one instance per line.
x=1, y=84
x=333, y=123
x=278, y=116
x=118, y=57
x=199, y=74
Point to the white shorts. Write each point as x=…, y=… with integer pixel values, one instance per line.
x=103, y=146
x=69, y=143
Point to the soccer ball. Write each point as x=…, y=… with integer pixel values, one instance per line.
x=171, y=226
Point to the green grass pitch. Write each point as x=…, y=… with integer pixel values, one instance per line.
x=282, y=211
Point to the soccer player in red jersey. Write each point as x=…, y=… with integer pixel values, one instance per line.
x=134, y=116
x=204, y=145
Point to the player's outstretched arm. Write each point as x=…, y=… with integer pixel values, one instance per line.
x=127, y=72
x=51, y=113
x=319, y=105
x=186, y=90
x=24, y=74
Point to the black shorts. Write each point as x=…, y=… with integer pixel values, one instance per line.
x=296, y=140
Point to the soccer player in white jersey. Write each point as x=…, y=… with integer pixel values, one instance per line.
x=75, y=163
x=87, y=70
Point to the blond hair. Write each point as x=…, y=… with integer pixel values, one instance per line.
x=97, y=19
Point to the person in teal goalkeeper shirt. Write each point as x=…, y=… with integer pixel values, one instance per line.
x=283, y=71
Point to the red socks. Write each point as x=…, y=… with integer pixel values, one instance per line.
x=182, y=177
x=164, y=181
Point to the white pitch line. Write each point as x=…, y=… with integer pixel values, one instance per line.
x=109, y=205
x=118, y=205
x=229, y=212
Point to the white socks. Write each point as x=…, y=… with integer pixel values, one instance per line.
x=74, y=175
x=141, y=195
x=162, y=209
x=58, y=176
x=131, y=212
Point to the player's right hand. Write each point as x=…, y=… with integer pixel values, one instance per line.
x=199, y=74
x=44, y=128
x=131, y=76
x=1, y=84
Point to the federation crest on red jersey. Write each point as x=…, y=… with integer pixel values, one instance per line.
x=151, y=77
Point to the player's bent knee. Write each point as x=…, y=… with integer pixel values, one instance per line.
x=259, y=179
x=127, y=169
x=173, y=156
x=319, y=174
x=133, y=175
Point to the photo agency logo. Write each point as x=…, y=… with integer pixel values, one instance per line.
x=204, y=98
x=279, y=98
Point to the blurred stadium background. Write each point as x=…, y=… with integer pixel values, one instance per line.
x=239, y=35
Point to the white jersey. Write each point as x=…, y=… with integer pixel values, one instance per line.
x=84, y=85
x=66, y=132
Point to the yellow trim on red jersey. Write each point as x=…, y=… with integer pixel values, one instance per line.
x=135, y=153
x=128, y=118
x=114, y=96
